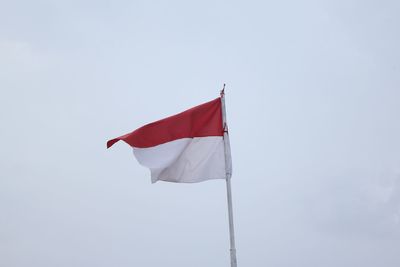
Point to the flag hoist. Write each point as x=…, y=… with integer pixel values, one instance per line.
x=189, y=147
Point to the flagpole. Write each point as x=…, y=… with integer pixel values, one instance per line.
x=228, y=171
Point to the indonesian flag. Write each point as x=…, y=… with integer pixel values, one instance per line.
x=188, y=147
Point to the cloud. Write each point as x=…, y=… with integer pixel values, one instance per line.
x=360, y=205
x=19, y=57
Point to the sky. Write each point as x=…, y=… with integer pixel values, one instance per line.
x=312, y=95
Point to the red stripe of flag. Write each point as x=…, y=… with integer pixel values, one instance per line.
x=200, y=121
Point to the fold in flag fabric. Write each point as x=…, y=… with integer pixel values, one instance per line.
x=185, y=148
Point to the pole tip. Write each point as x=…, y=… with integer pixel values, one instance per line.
x=223, y=91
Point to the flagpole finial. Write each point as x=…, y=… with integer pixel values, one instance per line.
x=223, y=91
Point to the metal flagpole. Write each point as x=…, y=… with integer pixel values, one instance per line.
x=228, y=169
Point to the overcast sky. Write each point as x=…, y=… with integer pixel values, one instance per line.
x=313, y=93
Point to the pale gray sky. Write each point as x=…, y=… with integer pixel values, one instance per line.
x=313, y=91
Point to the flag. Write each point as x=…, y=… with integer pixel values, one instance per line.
x=185, y=148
